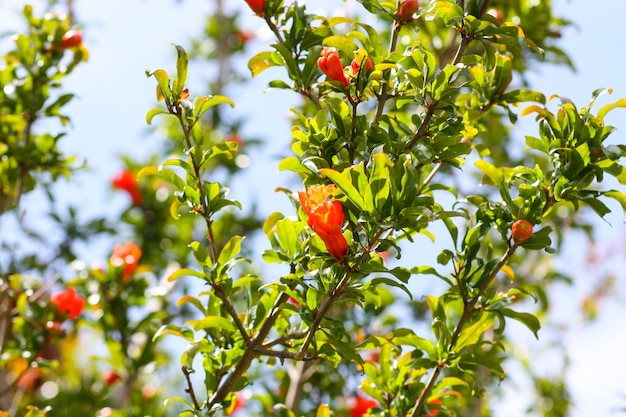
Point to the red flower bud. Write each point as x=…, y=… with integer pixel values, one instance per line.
x=71, y=39
x=68, y=301
x=127, y=181
x=325, y=218
x=361, y=406
x=257, y=6
x=330, y=64
x=127, y=255
x=521, y=231
x=407, y=10
x=356, y=66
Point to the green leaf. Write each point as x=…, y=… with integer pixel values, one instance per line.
x=193, y=301
x=230, y=250
x=165, y=174
x=527, y=319
x=279, y=84
x=539, y=240
x=346, y=45
x=163, y=80
x=537, y=144
x=346, y=186
x=184, y=272
x=212, y=322
x=202, y=104
x=181, y=70
x=617, y=196
x=517, y=96
x=287, y=235
x=154, y=112
x=174, y=330
x=380, y=181
x=471, y=334
x=264, y=60
x=608, y=107
x=293, y=164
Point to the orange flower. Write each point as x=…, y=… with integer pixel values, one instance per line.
x=330, y=64
x=68, y=301
x=325, y=218
x=127, y=181
x=128, y=255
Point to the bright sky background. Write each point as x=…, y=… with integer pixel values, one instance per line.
x=126, y=37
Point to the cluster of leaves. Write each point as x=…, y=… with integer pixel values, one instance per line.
x=30, y=76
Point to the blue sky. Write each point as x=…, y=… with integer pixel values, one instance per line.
x=126, y=37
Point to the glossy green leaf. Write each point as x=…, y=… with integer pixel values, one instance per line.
x=264, y=60
x=202, y=104
x=287, y=235
x=472, y=334
x=231, y=249
x=527, y=319
x=346, y=186
x=184, y=272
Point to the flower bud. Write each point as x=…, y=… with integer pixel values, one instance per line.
x=407, y=10
x=330, y=64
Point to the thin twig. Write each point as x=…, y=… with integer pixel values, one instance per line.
x=384, y=92
x=284, y=339
x=218, y=290
x=189, y=389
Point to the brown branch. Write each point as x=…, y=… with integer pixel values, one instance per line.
x=284, y=339
x=230, y=309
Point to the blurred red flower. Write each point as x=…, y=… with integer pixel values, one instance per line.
x=68, y=301
x=361, y=406
x=325, y=218
x=128, y=255
x=433, y=413
x=127, y=181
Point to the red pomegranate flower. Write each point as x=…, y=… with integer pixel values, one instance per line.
x=361, y=406
x=128, y=255
x=68, y=301
x=257, y=6
x=325, y=218
x=330, y=64
x=127, y=181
